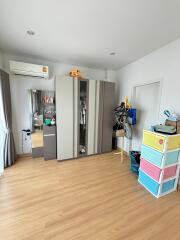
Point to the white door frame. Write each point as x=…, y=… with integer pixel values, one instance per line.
x=133, y=93
x=133, y=97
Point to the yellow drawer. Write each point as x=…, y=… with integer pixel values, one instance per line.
x=161, y=142
x=154, y=140
x=173, y=142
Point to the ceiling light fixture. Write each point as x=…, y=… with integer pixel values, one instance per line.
x=30, y=32
x=112, y=54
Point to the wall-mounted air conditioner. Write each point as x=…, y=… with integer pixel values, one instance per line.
x=29, y=69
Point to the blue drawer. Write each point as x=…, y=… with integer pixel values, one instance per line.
x=152, y=185
x=167, y=186
x=151, y=155
x=171, y=158
x=156, y=157
x=148, y=182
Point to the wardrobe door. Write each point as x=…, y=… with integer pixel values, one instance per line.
x=106, y=111
x=83, y=103
x=92, y=117
x=97, y=130
x=65, y=117
x=100, y=105
x=75, y=116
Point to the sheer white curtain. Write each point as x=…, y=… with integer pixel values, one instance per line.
x=2, y=137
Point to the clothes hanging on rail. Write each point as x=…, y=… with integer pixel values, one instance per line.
x=83, y=113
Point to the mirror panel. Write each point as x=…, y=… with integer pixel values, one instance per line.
x=83, y=118
x=42, y=112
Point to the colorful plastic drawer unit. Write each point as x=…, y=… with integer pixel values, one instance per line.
x=156, y=157
x=161, y=142
x=155, y=172
x=160, y=162
x=154, y=186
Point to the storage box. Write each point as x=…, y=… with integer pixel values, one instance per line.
x=155, y=172
x=174, y=124
x=159, y=168
x=135, y=161
x=154, y=186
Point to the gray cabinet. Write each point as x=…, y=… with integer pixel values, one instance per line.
x=49, y=137
x=106, y=124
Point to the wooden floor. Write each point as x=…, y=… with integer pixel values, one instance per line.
x=94, y=198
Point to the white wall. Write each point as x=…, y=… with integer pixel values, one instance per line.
x=21, y=84
x=164, y=65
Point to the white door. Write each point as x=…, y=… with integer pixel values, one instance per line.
x=146, y=101
x=66, y=117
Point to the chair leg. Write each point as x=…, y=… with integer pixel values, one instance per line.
x=122, y=151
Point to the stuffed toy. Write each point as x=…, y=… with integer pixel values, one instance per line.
x=75, y=73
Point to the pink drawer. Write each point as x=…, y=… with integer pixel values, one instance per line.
x=155, y=172
x=150, y=169
x=170, y=172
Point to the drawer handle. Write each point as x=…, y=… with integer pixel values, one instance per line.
x=49, y=135
x=161, y=141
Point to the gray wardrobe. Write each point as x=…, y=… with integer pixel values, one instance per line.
x=84, y=116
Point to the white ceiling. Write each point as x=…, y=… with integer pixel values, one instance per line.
x=84, y=32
